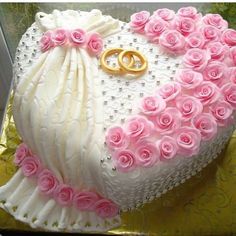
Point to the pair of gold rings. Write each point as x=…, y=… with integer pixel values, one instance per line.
x=128, y=66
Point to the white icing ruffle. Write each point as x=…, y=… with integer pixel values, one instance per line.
x=22, y=198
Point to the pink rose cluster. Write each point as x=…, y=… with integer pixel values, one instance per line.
x=177, y=32
x=78, y=38
x=64, y=194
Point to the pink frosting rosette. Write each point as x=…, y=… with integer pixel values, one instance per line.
x=47, y=182
x=229, y=37
x=210, y=33
x=172, y=41
x=116, y=138
x=169, y=91
x=195, y=40
x=106, y=208
x=85, y=200
x=30, y=166
x=215, y=72
x=146, y=154
x=188, y=106
x=165, y=13
x=188, y=141
x=138, y=21
x=217, y=50
x=229, y=92
x=196, y=59
x=207, y=93
x=168, y=147
x=94, y=43
x=222, y=111
x=185, y=25
x=138, y=127
x=124, y=160
x=168, y=121
x=22, y=152
x=154, y=28
x=188, y=79
x=215, y=20
x=78, y=37
x=206, y=124
x=46, y=41
x=59, y=37
x=189, y=12
x=232, y=54
x=152, y=105
x=232, y=74
x=64, y=195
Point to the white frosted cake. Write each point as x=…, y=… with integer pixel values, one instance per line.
x=95, y=144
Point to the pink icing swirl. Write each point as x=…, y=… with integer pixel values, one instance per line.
x=60, y=37
x=165, y=14
x=229, y=93
x=46, y=41
x=30, y=166
x=94, y=43
x=147, y=154
x=188, y=141
x=106, y=209
x=215, y=20
x=168, y=148
x=229, y=37
x=206, y=124
x=169, y=91
x=64, y=195
x=22, y=152
x=189, y=12
x=78, y=36
x=138, y=21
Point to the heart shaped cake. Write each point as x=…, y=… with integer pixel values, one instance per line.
x=95, y=143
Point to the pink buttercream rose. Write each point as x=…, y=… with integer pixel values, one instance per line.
x=210, y=33
x=138, y=21
x=229, y=37
x=124, y=160
x=188, y=141
x=217, y=50
x=189, y=107
x=85, y=200
x=207, y=92
x=138, y=127
x=47, y=182
x=64, y=195
x=195, y=40
x=59, y=37
x=229, y=92
x=168, y=121
x=22, y=152
x=215, y=20
x=78, y=37
x=206, y=124
x=232, y=74
x=188, y=79
x=169, y=91
x=147, y=154
x=46, y=41
x=189, y=12
x=94, y=43
x=106, y=208
x=164, y=13
x=196, y=59
x=168, y=148
x=222, y=111
x=172, y=41
x=152, y=105
x=30, y=166
x=116, y=138
x=185, y=25
x=232, y=54
x=215, y=72
x=154, y=28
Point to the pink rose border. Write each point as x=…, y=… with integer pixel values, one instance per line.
x=91, y=41
x=181, y=114
x=64, y=194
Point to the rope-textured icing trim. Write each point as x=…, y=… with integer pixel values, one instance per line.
x=64, y=194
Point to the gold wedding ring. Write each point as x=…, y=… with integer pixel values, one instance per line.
x=127, y=66
x=110, y=69
x=132, y=70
